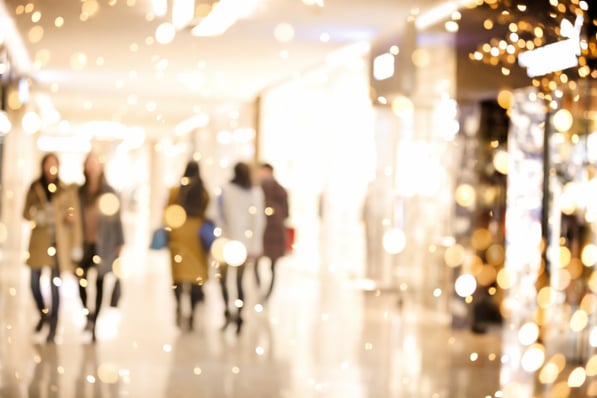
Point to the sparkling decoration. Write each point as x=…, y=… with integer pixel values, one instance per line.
x=518, y=27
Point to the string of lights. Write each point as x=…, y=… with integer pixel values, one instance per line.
x=524, y=26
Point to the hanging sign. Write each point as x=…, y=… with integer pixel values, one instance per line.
x=556, y=56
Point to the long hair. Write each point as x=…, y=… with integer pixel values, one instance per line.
x=45, y=183
x=42, y=164
x=89, y=196
x=242, y=175
x=191, y=195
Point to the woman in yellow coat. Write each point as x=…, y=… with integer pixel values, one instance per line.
x=184, y=215
x=53, y=211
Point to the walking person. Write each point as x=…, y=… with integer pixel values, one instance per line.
x=103, y=237
x=188, y=258
x=242, y=219
x=55, y=243
x=277, y=212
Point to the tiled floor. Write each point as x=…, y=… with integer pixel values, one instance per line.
x=318, y=336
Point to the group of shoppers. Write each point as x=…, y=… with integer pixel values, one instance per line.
x=72, y=232
x=247, y=211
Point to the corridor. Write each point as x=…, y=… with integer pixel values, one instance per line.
x=320, y=335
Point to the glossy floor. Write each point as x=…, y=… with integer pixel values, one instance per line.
x=318, y=336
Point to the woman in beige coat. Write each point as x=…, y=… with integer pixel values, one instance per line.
x=184, y=214
x=56, y=235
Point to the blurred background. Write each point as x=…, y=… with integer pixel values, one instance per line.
x=439, y=157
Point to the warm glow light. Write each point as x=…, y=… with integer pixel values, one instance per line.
x=505, y=278
x=284, y=32
x=549, y=373
x=591, y=367
x=579, y=320
x=465, y=195
x=234, y=253
x=505, y=99
x=402, y=105
x=577, y=377
x=562, y=120
x=465, y=285
x=589, y=255
x=31, y=122
x=454, y=255
x=500, y=162
x=174, y=216
x=109, y=204
x=165, y=32
x=533, y=358
x=481, y=239
x=394, y=241
x=528, y=333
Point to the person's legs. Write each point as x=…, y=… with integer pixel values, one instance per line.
x=196, y=298
x=116, y=293
x=257, y=278
x=240, y=270
x=177, y=289
x=271, y=284
x=99, y=296
x=35, y=278
x=54, y=289
x=225, y=296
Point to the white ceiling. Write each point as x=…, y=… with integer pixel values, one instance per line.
x=125, y=72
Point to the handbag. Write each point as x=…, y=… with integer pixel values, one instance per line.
x=207, y=234
x=159, y=239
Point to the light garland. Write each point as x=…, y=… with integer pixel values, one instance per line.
x=524, y=26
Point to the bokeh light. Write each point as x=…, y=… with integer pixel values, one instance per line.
x=481, y=239
x=549, y=373
x=174, y=216
x=562, y=120
x=500, y=162
x=165, y=32
x=394, y=240
x=284, y=32
x=217, y=249
x=31, y=122
x=589, y=255
x=109, y=204
x=505, y=99
x=108, y=373
x=579, y=321
x=465, y=195
x=533, y=358
x=577, y=377
x=486, y=275
x=528, y=333
x=591, y=367
x=465, y=285
x=234, y=253
x=505, y=278
x=454, y=255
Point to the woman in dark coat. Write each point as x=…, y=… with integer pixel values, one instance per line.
x=276, y=211
x=103, y=235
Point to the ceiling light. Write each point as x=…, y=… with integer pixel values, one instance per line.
x=223, y=15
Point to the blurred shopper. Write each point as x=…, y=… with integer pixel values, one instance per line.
x=55, y=242
x=276, y=211
x=242, y=219
x=188, y=258
x=103, y=236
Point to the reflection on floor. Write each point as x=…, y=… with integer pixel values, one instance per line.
x=318, y=336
